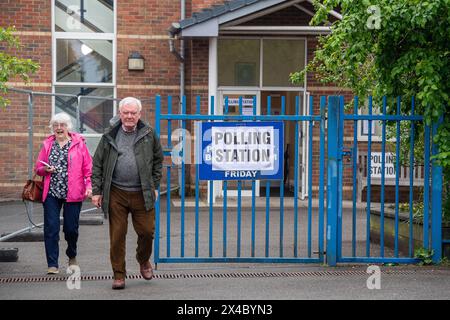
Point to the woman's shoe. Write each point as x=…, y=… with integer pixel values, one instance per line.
x=52, y=270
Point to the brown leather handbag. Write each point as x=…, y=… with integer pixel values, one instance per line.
x=32, y=191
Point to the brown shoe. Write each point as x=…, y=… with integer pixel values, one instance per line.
x=118, y=284
x=146, y=270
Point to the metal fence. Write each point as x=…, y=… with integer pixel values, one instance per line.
x=254, y=229
x=25, y=125
x=249, y=233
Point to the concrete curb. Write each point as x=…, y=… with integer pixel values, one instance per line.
x=30, y=236
x=91, y=220
x=9, y=254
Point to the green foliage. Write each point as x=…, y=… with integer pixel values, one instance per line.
x=407, y=55
x=425, y=255
x=418, y=209
x=399, y=49
x=11, y=66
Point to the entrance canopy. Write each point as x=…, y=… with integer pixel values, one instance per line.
x=250, y=17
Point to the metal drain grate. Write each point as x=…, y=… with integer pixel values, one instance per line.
x=233, y=275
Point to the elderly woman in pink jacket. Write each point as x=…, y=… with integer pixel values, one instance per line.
x=66, y=165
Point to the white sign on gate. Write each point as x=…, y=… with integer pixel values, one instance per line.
x=389, y=165
x=243, y=148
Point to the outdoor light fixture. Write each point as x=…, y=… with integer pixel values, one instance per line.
x=135, y=61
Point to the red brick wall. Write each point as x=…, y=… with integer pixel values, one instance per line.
x=141, y=26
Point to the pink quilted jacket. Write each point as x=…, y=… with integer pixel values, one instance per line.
x=79, y=167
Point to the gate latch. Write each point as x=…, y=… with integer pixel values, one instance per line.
x=347, y=155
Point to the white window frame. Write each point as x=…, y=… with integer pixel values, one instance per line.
x=365, y=137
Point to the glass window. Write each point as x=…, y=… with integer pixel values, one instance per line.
x=282, y=57
x=363, y=125
x=238, y=62
x=90, y=16
x=84, y=60
x=94, y=112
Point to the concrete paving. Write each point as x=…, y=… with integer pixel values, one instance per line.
x=26, y=278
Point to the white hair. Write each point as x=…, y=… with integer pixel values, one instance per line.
x=61, y=117
x=130, y=100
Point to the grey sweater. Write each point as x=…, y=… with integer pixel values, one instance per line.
x=126, y=175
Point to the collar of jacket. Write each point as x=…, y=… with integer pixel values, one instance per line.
x=74, y=136
x=142, y=130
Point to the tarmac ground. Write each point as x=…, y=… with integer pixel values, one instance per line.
x=27, y=278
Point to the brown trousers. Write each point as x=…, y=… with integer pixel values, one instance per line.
x=121, y=203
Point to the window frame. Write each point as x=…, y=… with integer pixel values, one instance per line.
x=58, y=35
x=260, y=85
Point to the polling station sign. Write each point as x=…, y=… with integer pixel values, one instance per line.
x=376, y=165
x=240, y=150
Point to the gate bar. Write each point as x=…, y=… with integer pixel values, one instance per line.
x=169, y=171
x=197, y=183
x=397, y=179
x=426, y=190
x=411, y=182
x=323, y=102
x=296, y=179
x=383, y=165
x=310, y=169
x=239, y=208
x=183, y=175
x=355, y=159
x=332, y=190
x=253, y=195
x=283, y=111
x=269, y=105
x=211, y=199
x=436, y=206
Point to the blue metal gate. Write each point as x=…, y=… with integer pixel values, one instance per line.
x=432, y=203
x=259, y=230
x=250, y=230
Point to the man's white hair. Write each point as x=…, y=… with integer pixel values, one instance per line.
x=130, y=100
x=61, y=117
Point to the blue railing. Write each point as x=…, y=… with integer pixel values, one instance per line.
x=336, y=122
x=255, y=224
x=262, y=229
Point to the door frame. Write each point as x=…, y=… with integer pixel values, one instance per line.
x=304, y=137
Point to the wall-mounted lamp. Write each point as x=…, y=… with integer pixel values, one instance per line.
x=135, y=61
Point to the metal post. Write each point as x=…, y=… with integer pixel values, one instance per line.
x=79, y=124
x=436, y=204
x=332, y=186
x=30, y=154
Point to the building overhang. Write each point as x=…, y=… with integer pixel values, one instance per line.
x=228, y=19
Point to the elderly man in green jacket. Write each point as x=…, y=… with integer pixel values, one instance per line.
x=126, y=174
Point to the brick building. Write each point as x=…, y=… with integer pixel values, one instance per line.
x=190, y=47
